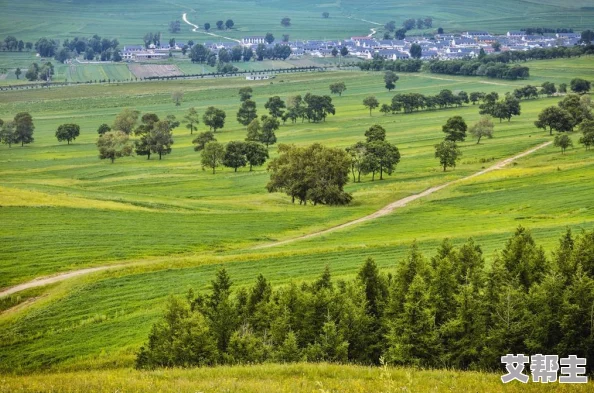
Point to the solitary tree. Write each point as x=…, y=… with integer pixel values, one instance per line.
x=482, y=128
x=103, y=128
x=114, y=144
x=255, y=153
x=286, y=22
x=67, y=132
x=254, y=131
x=344, y=51
x=587, y=128
x=385, y=109
x=207, y=26
x=247, y=112
x=390, y=78
x=416, y=51
x=162, y=138
x=269, y=38
x=212, y=155
x=448, y=153
x=7, y=133
x=229, y=23
x=18, y=72
x=554, y=118
x=23, y=124
x=202, y=139
x=245, y=93
x=563, y=141
x=325, y=15
x=214, y=118
x=275, y=106
x=371, y=103
x=220, y=24
x=267, y=135
x=192, y=120
x=579, y=85
x=177, y=97
x=126, y=120
x=337, y=88
x=455, y=129
x=235, y=155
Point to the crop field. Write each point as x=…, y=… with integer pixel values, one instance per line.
x=29, y=20
x=148, y=70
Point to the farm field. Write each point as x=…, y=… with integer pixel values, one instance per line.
x=168, y=225
x=29, y=20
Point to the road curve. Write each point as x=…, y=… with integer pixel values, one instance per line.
x=196, y=27
x=404, y=201
x=41, y=281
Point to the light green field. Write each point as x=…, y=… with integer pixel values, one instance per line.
x=276, y=378
x=129, y=21
x=173, y=224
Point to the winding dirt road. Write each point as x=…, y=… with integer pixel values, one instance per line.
x=196, y=28
x=380, y=213
x=405, y=201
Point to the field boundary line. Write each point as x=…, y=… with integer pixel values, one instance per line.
x=405, y=201
x=46, y=280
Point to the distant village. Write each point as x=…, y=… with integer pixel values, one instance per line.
x=439, y=46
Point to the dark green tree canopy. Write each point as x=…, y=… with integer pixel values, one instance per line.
x=67, y=132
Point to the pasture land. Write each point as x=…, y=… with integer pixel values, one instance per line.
x=277, y=378
x=148, y=70
x=172, y=224
x=129, y=21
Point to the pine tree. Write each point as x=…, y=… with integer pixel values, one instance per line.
x=443, y=283
x=405, y=273
x=544, y=303
x=523, y=259
x=463, y=335
x=220, y=310
x=577, y=317
x=413, y=339
x=564, y=261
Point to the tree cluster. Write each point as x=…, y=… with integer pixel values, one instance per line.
x=314, y=173
x=92, y=48
x=235, y=154
x=378, y=63
x=448, y=311
x=35, y=72
x=19, y=130
x=471, y=67
x=569, y=113
x=11, y=43
x=374, y=155
x=506, y=108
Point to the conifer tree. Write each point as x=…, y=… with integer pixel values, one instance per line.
x=413, y=339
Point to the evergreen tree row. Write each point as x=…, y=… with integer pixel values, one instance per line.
x=447, y=311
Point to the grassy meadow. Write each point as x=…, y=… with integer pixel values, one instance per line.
x=319, y=378
x=130, y=20
x=168, y=225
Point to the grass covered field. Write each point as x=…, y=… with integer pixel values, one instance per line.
x=129, y=21
x=277, y=378
x=169, y=225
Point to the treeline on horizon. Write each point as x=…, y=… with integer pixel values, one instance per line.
x=447, y=311
x=497, y=65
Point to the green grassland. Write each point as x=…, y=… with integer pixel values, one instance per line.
x=172, y=225
x=129, y=21
x=275, y=378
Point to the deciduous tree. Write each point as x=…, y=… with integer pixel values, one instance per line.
x=67, y=132
x=371, y=103
x=214, y=118
x=212, y=155
x=192, y=119
x=482, y=128
x=448, y=153
x=114, y=144
x=24, y=127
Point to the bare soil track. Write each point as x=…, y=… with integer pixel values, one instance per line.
x=41, y=281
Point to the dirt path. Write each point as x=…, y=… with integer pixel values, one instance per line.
x=380, y=213
x=39, y=282
x=404, y=201
x=196, y=28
